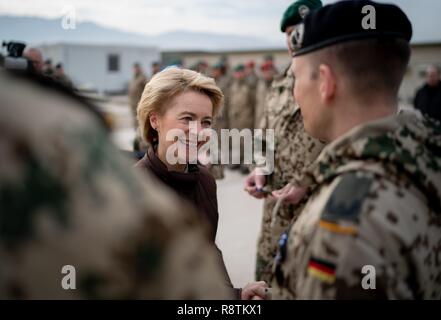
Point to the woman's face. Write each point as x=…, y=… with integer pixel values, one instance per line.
x=181, y=110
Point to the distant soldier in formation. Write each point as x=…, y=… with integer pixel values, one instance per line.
x=48, y=69
x=60, y=76
x=136, y=86
x=241, y=108
x=74, y=215
x=372, y=228
x=223, y=81
x=156, y=67
x=250, y=71
x=263, y=87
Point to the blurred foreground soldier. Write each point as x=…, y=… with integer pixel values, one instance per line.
x=61, y=77
x=294, y=151
x=35, y=58
x=136, y=86
x=68, y=198
x=428, y=98
x=372, y=228
x=241, y=109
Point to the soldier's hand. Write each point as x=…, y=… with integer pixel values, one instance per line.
x=290, y=194
x=254, y=184
x=254, y=291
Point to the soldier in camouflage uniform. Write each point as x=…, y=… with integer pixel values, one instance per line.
x=262, y=90
x=241, y=106
x=294, y=150
x=136, y=87
x=223, y=81
x=67, y=197
x=372, y=228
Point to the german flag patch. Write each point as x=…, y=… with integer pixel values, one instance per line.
x=322, y=270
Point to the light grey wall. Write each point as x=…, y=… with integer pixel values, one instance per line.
x=88, y=67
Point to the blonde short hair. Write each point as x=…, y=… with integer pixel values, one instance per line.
x=167, y=84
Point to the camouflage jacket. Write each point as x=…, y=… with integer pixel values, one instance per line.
x=374, y=219
x=241, y=105
x=294, y=151
x=262, y=90
x=68, y=199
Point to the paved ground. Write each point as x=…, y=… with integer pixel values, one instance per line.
x=239, y=214
x=239, y=223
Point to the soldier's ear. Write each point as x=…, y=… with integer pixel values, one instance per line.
x=327, y=83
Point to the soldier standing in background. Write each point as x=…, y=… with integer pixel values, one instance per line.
x=294, y=151
x=60, y=76
x=156, y=67
x=263, y=87
x=372, y=228
x=136, y=87
x=223, y=81
x=428, y=97
x=69, y=198
x=251, y=75
x=48, y=69
x=241, y=108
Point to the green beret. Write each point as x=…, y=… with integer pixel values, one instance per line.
x=239, y=67
x=297, y=11
x=218, y=65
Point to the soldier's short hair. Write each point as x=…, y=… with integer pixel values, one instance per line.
x=166, y=85
x=370, y=66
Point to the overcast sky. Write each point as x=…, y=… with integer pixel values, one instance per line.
x=245, y=17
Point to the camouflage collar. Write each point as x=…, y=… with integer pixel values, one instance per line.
x=406, y=144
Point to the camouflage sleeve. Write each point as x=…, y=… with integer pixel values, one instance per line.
x=355, y=240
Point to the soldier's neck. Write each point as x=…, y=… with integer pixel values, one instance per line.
x=348, y=117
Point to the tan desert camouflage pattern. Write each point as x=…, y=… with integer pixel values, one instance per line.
x=377, y=203
x=294, y=151
x=221, y=122
x=241, y=105
x=67, y=197
x=262, y=91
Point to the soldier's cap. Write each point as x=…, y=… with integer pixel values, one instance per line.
x=297, y=11
x=239, y=67
x=218, y=65
x=343, y=22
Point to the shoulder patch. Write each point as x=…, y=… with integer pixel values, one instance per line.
x=347, y=198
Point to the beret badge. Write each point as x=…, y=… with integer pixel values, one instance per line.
x=303, y=11
x=297, y=36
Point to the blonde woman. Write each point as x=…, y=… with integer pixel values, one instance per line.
x=171, y=100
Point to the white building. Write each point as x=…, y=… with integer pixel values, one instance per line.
x=105, y=68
